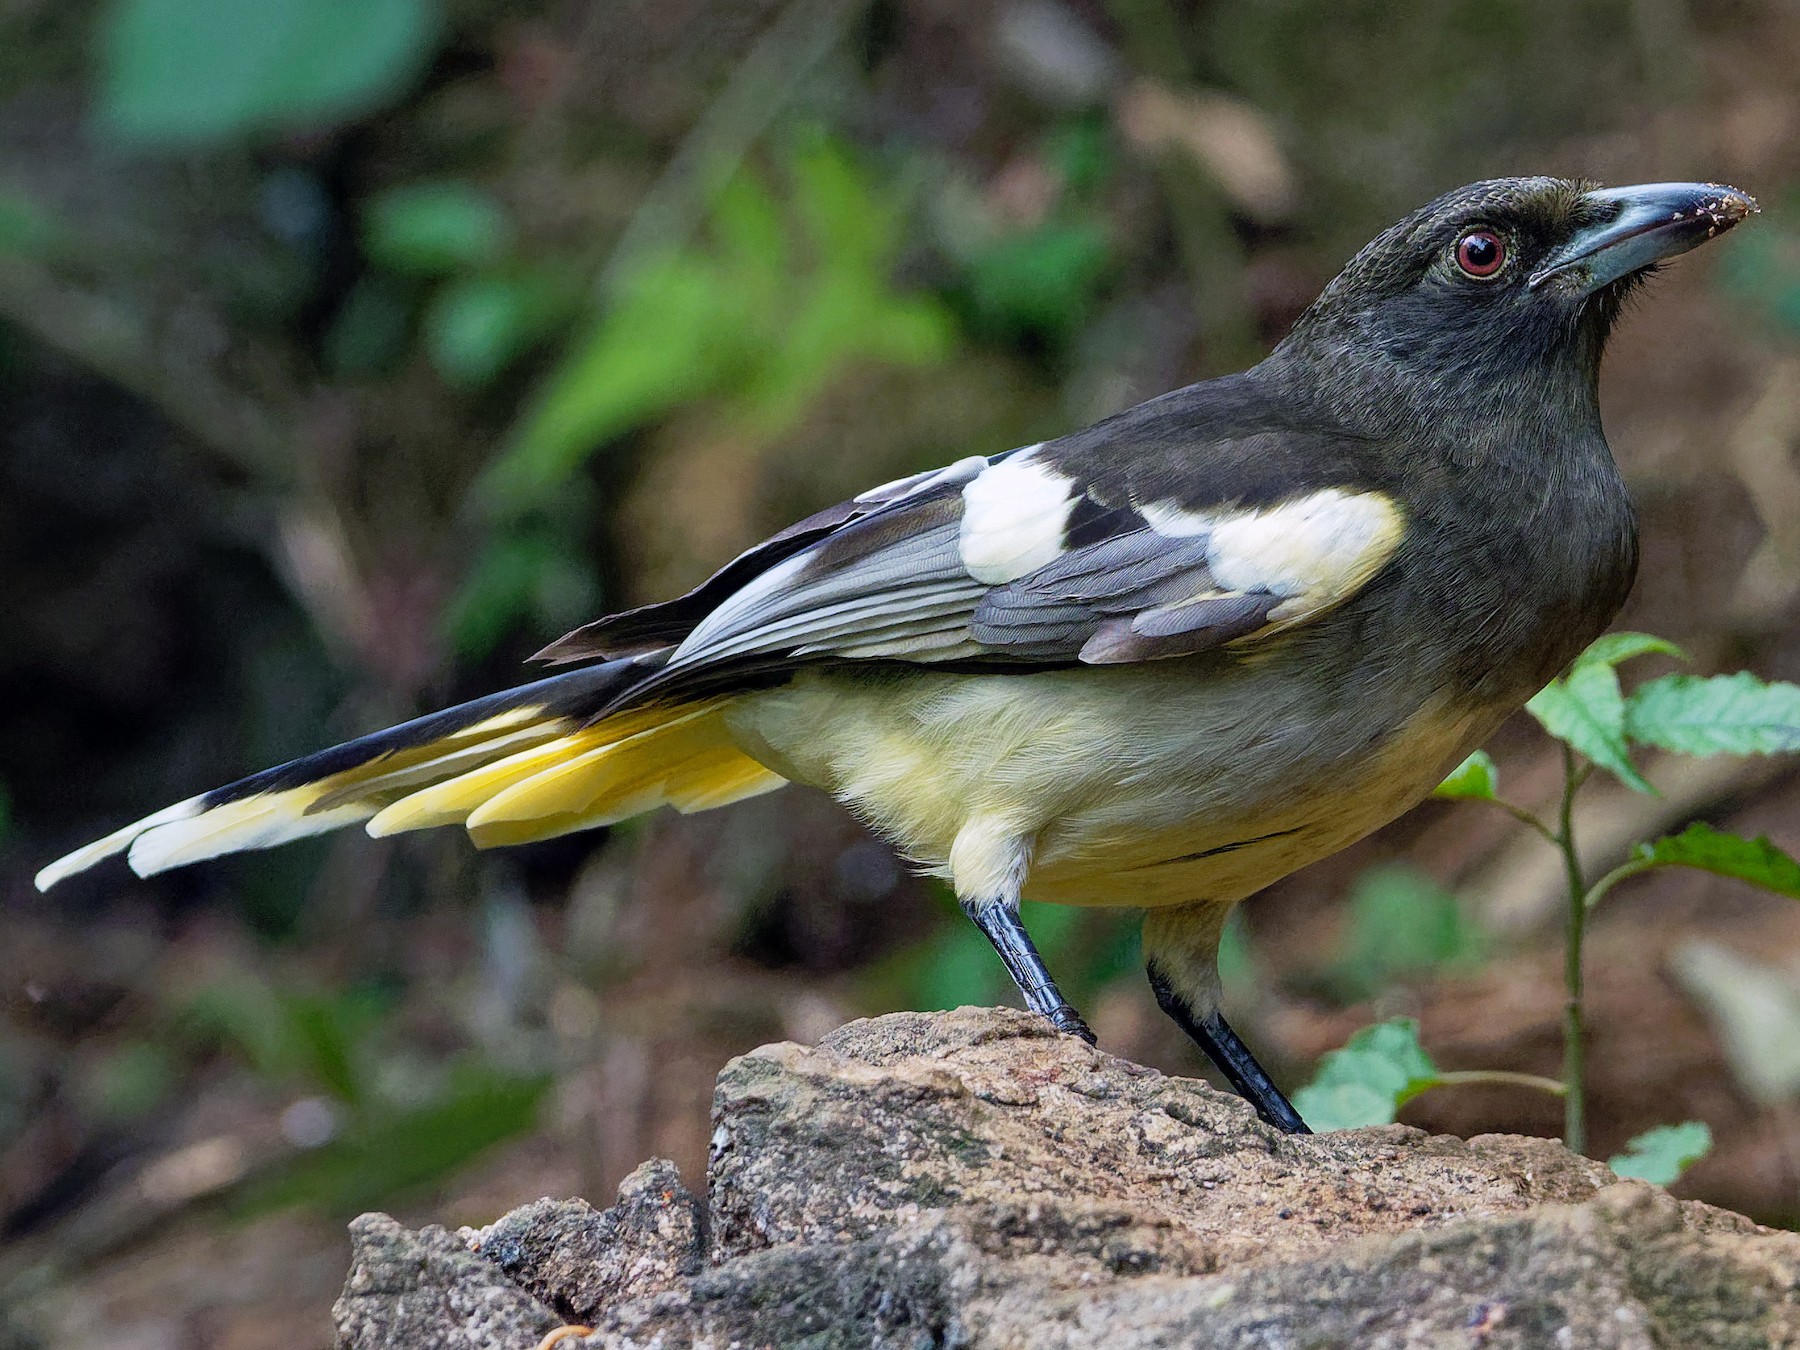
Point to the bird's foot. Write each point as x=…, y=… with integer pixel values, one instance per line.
x=1065, y=1019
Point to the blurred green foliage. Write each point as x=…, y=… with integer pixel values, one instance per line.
x=292, y=1039
x=435, y=229
x=1378, y=1071
x=792, y=285
x=26, y=226
x=189, y=71
x=129, y=1082
x=1662, y=1154
x=1762, y=270
x=789, y=288
x=955, y=966
x=388, y=1132
x=391, y=1150
x=1402, y=925
x=529, y=570
x=1039, y=282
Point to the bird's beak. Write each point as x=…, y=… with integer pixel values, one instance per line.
x=1638, y=226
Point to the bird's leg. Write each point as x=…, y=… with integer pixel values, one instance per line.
x=999, y=922
x=1181, y=957
x=1213, y=1034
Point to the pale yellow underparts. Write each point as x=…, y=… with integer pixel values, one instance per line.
x=1108, y=780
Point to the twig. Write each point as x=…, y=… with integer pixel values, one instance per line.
x=1574, y=1050
x=103, y=336
x=1517, y=888
x=1503, y=1077
x=762, y=84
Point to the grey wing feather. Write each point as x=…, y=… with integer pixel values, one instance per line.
x=896, y=586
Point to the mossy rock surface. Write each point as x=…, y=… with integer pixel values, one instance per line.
x=971, y=1179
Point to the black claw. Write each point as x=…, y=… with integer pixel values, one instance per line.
x=1213, y=1034
x=1065, y=1019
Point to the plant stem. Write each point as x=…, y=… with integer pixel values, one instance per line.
x=1459, y=1077
x=1525, y=818
x=1622, y=872
x=1574, y=1052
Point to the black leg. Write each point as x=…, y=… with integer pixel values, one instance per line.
x=1000, y=924
x=1213, y=1034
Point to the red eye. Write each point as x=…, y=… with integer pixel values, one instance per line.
x=1481, y=253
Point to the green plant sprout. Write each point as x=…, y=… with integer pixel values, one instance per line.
x=1597, y=725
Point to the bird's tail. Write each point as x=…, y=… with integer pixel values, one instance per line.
x=525, y=764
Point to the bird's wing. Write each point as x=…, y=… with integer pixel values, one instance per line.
x=1046, y=555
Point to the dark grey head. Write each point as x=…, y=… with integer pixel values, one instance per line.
x=1502, y=289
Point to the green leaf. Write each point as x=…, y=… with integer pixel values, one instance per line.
x=1661, y=1155
x=1756, y=861
x=534, y=575
x=187, y=71
x=1402, y=923
x=1041, y=281
x=791, y=289
x=1724, y=715
x=1367, y=1082
x=477, y=326
x=1611, y=649
x=671, y=336
x=1475, y=779
x=430, y=229
x=392, y=1152
x=1586, y=711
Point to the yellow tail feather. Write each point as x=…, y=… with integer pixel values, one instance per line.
x=527, y=773
x=621, y=767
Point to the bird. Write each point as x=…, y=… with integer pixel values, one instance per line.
x=1156, y=663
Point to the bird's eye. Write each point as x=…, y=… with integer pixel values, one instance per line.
x=1481, y=253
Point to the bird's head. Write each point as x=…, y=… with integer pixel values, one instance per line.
x=1503, y=285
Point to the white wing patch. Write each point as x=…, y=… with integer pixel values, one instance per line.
x=1177, y=522
x=1316, y=551
x=1014, y=518
x=913, y=484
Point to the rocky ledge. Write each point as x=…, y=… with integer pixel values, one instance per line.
x=973, y=1179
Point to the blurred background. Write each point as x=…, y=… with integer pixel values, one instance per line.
x=349, y=352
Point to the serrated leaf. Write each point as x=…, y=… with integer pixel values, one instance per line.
x=1377, y=1072
x=1475, y=779
x=1724, y=715
x=1611, y=649
x=1756, y=861
x=1585, y=710
x=1661, y=1155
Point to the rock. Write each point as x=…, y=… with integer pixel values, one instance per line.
x=427, y=1288
x=973, y=1179
x=575, y=1258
